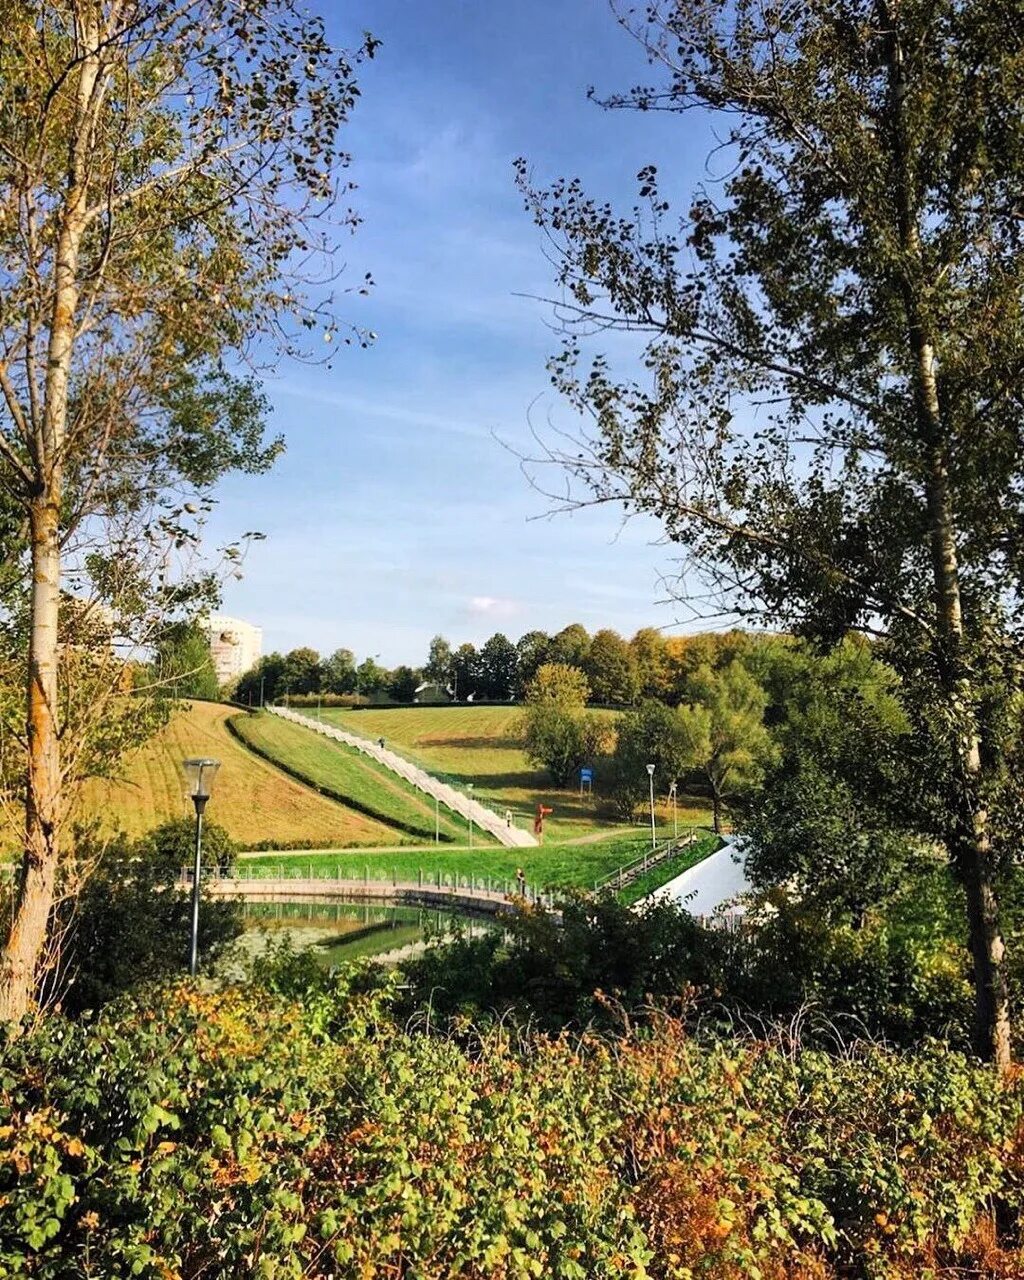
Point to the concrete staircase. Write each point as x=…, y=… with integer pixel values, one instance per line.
x=511, y=837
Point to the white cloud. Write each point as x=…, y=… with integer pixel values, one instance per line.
x=491, y=607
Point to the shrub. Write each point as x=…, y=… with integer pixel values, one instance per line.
x=292, y=1128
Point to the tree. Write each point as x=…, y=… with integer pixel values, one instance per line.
x=184, y=666
x=557, y=732
x=371, y=678
x=723, y=729
x=163, y=171
x=338, y=672
x=650, y=734
x=531, y=653
x=651, y=663
x=610, y=669
x=465, y=672
x=438, y=669
x=403, y=684
x=858, y=274
x=569, y=646
x=301, y=672
x=497, y=668
x=827, y=825
x=264, y=682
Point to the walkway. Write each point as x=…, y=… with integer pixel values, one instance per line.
x=486, y=819
x=481, y=896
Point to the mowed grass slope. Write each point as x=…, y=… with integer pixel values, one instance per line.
x=254, y=801
x=481, y=745
x=346, y=773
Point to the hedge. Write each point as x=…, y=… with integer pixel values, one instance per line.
x=251, y=1133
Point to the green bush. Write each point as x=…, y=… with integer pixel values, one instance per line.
x=131, y=923
x=293, y=1128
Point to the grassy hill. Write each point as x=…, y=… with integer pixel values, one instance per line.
x=345, y=773
x=480, y=745
x=254, y=801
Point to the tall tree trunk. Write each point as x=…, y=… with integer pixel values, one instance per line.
x=26, y=941
x=969, y=840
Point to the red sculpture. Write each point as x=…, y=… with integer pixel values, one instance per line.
x=538, y=822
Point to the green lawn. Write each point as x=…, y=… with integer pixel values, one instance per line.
x=347, y=774
x=578, y=865
x=653, y=879
x=480, y=745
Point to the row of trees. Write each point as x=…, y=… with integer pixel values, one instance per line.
x=617, y=670
x=302, y=672
x=717, y=735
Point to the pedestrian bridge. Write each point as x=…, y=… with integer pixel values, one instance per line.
x=478, y=895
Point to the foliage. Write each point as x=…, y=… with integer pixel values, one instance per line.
x=292, y=1129
x=497, y=668
x=824, y=413
x=301, y=671
x=569, y=647
x=557, y=733
x=183, y=665
x=165, y=175
x=438, y=667
x=131, y=923
x=828, y=824
x=403, y=683
x=723, y=730
x=263, y=683
x=650, y=734
x=370, y=677
x=465, y=672
x=338, y=672
x=610, y=668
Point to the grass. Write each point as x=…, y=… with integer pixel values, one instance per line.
x=254, y=801
x=575, y=865
x=653, y=879
x=480, y=745
x=348, y=775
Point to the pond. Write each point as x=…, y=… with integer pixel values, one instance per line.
x=349, y=931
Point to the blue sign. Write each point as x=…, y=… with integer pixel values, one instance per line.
x=586, y=774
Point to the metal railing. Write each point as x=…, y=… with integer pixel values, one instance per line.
x=629, y=871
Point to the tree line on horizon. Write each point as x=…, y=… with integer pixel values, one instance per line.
x=619, y=672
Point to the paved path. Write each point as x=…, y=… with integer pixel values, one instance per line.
x=511, y=837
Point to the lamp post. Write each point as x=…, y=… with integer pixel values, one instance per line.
x=469, y=788
x=199, y=776
x=650, y=775
x=675, y=810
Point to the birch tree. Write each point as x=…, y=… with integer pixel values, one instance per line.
x=826, y=410
x=168, y=173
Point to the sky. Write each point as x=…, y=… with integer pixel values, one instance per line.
x=399, y=509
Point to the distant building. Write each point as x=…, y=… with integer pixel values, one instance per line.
x=234, y=645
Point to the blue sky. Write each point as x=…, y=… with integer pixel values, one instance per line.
x=395, y=514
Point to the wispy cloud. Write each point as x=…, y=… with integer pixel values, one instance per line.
x=492, y=607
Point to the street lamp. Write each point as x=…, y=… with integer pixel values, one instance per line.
x=675, y=811
x=650, y=775
x=199, y=776
x=469, y=788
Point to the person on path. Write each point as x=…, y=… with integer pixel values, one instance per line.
x=380, y=743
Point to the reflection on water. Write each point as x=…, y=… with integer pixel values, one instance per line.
x=347, y=931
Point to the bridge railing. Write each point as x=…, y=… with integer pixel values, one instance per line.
x=630, y=871
x=440, y=881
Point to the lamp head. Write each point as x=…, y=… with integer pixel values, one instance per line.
x=199, y=777
x=650, y=770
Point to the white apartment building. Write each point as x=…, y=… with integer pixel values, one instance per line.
x=235, y=645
